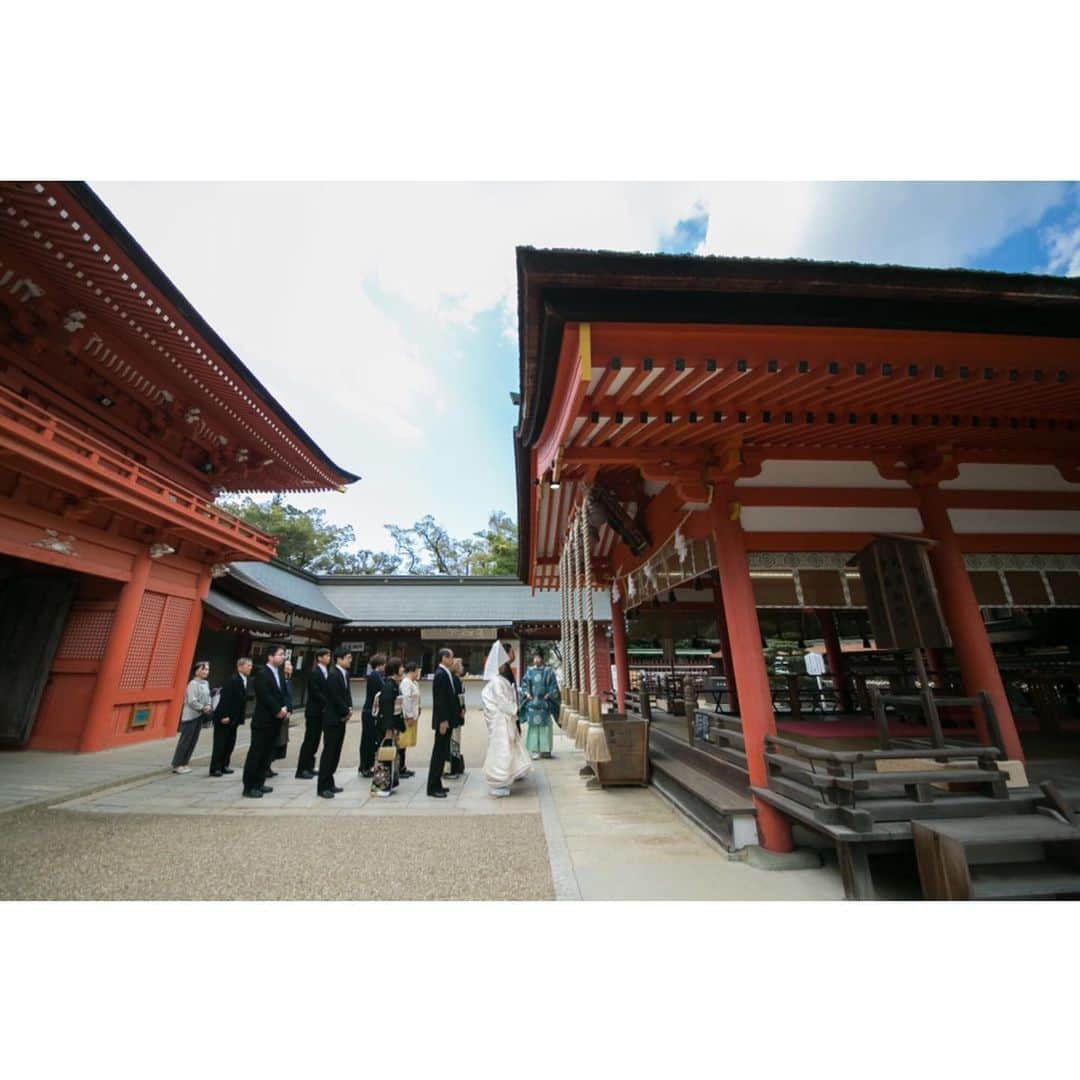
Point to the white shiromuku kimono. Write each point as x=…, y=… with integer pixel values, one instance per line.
x=506, y=759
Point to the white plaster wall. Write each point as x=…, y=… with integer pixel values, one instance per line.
x=980, y=477
x=842, y=474
x=1058, y=522
x=900, y=519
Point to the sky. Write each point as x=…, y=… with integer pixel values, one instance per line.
x=383, y=316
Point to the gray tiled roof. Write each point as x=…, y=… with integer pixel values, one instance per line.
x=433, y=601
x=290, y=588
x=233, y=613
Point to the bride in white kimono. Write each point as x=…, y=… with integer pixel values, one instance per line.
x=506, y=760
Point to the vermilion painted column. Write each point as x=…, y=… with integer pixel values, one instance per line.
x=974, y=654
x=725, y=648
x=187, y=654
x=835, y=656
x=622, y=657
x=747, y=660
x=98, y=726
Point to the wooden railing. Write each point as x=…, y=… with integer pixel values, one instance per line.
x=25, y=426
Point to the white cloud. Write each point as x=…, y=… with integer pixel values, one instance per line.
x=1062, y=242
x=919, y=224
x=286, y=273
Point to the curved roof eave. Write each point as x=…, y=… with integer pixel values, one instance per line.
x=92, y=203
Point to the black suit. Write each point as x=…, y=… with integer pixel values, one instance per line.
x=445, y=709
x=369, y=724
x=270, y=699
x=231, y=706
x=313, y=719
x=336, y=708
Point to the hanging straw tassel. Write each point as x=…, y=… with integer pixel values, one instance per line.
x=572, y=714
x=592, y=701
x=565, y=642
x=596, y=747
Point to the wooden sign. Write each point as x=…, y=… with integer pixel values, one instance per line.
x=901, y=598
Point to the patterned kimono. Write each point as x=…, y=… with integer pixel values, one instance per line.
x=539, y=707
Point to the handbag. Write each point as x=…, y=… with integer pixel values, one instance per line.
x=385, y=771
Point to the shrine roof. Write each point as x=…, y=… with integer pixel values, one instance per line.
x=163, y=351
x=418, y=601
x=685, y=354
x=286, y=587
x=558, y=285
x=234, y=613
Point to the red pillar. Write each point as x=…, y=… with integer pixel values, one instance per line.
x=187, y=652
x=99, y=715
x=974, y=654
x=622, y=657
x=747, y=661
x=725, y=648
x=835, y=655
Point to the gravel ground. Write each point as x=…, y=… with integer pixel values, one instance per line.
x=59, y=855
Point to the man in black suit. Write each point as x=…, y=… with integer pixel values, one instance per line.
x=229, y=715
x=271, y=707
x=336, y=713
x=313, y=715
x=445, y=713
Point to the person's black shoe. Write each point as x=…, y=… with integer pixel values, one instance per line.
x=406, y=773
x=338, y=790
x=326, y=794
x=305, y=775
x=218, y=773
x=270, y=773
x=253, y=793
x=438, y=794
x=265, y=789
x=227, y=771
x=367, y=774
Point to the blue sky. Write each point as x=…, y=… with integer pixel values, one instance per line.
x=383, y=316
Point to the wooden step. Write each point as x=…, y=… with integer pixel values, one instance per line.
x=726, y=815
x=719, y=795
x=1024, y=881
x=728, y=767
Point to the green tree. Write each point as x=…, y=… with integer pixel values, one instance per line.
x=498, y=546
x=307, y=540
x=425, y=547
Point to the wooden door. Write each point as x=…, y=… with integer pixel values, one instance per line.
x=33, y=610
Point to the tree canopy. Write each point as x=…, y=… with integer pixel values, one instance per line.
x=309, y=542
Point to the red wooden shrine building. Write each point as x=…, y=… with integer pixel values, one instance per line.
x=122, y=415
x=757, y=422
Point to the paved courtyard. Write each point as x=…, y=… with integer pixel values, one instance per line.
x=163, y=836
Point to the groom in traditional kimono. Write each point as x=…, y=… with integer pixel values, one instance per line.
x=540, y=706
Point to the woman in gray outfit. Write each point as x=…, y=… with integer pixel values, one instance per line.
x=196, y=708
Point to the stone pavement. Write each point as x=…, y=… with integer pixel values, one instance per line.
x=41, y=777
x=165, y=836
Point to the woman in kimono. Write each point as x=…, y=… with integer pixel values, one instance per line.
x=506, y=759
x=539, y=706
